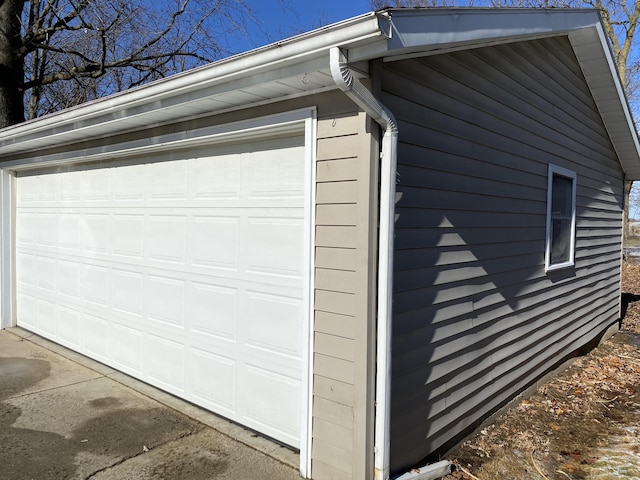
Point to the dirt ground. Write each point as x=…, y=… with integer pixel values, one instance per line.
x=585, y=424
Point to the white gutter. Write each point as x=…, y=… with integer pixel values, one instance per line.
x=101, y=116
x=362, y=97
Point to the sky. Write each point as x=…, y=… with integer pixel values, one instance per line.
x=278, y=19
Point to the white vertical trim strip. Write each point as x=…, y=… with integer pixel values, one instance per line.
x=306, y=430
x=7, y=312
x=570, y=174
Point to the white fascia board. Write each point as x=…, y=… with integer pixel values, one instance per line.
x=596, y=60
x=437, y=30
x=448, y=27
x=112, y=114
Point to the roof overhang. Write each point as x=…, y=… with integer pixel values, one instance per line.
x=300, y=66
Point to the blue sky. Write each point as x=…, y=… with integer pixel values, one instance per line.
x=278, y=19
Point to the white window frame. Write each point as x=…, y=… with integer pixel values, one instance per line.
x=554, y=170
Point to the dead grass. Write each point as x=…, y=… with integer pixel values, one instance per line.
x=562, y=431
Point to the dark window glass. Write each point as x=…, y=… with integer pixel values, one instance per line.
x=561, y=219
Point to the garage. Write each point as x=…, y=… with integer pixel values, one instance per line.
x=185, y=268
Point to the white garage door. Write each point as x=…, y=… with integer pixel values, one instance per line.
x=186, y=273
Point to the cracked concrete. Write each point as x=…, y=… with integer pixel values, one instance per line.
x=63, y=416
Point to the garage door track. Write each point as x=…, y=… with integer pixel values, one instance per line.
x=63, y=416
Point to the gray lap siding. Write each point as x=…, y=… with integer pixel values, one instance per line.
x=475, y=317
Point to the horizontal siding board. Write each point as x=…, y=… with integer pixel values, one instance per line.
x=476, y=317
x=333, y=455
x=336, y=258
x=333, y=412
x=334, y=346
x=337, y=147
x=336, y=368
x=500, y=186
x=342, y=214
x=333, y=434
x=336, y=236
x=334, y=324
x=337, y=170
x=475, y=201
x=406, y=259
x=335, y=302
x=333, y=390
x=337, y=192
x=452, y=237
x=338, y=126
x=335, y=280
x=325, y=471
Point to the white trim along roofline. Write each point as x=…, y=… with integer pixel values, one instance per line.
x=258, y=76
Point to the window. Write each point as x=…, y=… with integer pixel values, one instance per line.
x=561, y=218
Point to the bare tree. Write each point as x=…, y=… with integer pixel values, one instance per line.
x=59, y=53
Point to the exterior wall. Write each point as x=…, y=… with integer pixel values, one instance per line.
x=345, y=275
x=476, y=318
x=346, y=172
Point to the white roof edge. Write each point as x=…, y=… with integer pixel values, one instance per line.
x=371, y=26
x=388, y=34
x=608, y=94
x=424, y=30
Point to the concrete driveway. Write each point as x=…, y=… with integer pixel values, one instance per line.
x=64, y=416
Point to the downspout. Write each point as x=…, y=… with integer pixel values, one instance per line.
x=362, y=97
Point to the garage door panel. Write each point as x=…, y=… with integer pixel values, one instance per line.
x=220, y=391
x=95, y=337
x=69, y=327
x=26, y=305
x=164, y=238
x=27, y=229
x=127, y=291
x=126, y=185
x=212, y=309
x=216, y=178
x=69, y=188
x=95, y=284
x=164, y=299
x=266, y=317
x=47, y=317
x=262, y=387
x=95, y=185
x=126, y=235
x=166, y=180
x=68, y=275
x=95, y=233
x=47, y=230
x=126, y=347
x=46, y=268
x=186, y=273
x=277, y=252
x=214, y=241
x=69, y=228
x=164, y=361
x=27, y=195
x=25, y=268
